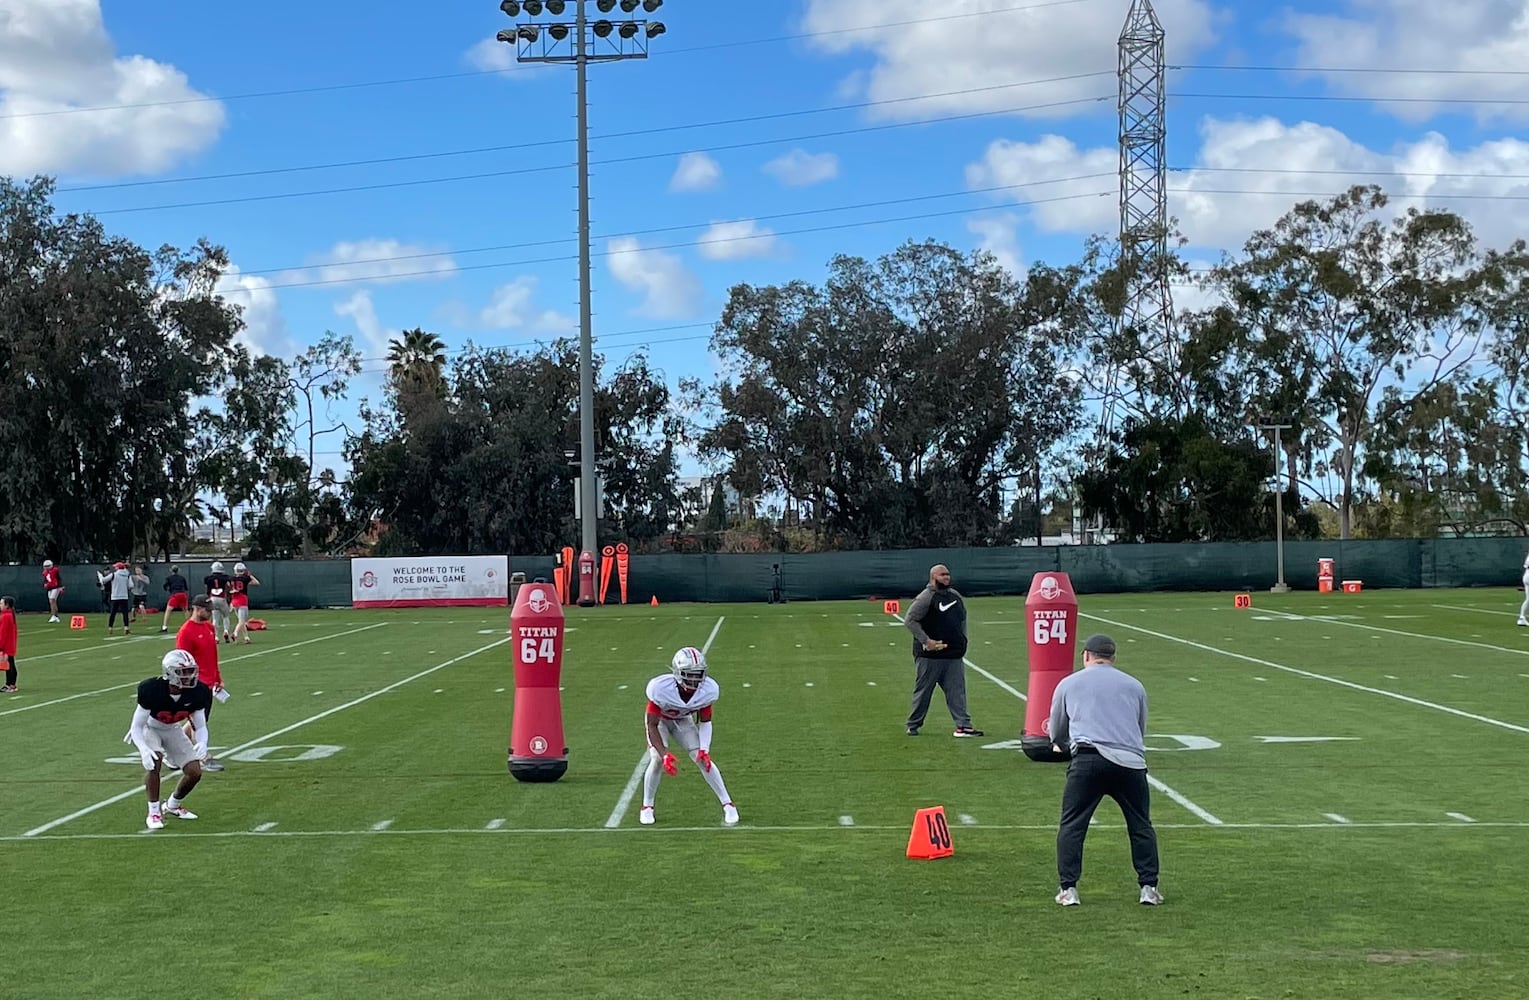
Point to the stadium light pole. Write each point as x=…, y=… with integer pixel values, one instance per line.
x=579, y=42
x=1280, y=587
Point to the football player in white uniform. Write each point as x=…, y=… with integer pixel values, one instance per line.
x=679, y=710
x=164, y=704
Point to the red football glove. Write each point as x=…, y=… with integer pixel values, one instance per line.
x=704, y=759
x=670, y=768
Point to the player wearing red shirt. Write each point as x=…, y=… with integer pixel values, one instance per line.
x=53, y=585
x=8, y=642
x=200, y=638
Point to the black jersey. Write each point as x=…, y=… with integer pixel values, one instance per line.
x=154, y=695
x=216, y=584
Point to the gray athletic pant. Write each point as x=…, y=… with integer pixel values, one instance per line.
x=949, y=674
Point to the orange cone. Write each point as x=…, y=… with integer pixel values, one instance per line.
x=892, y=607
x=930, y=838
x=654, y=601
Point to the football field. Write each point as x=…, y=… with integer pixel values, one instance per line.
x=1339, y=793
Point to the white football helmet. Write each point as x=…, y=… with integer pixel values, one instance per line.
x=217, y=567
x=240, y=567
x=689, y=666
x=47, y=564
x=179, y=668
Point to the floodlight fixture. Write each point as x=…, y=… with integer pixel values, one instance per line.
x=533, y=7
x=629, y=5
x=528, y=33
x=558, y=31
x=651, y=5
x=556, y=7
x=605, y=6
x=656, y=28
x=507, y=36
x=602, y=29
x=510, y=7
x=628, y=29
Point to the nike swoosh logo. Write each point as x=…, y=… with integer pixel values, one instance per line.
x=947, y=607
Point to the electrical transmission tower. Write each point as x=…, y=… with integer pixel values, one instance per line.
x=1147, y=317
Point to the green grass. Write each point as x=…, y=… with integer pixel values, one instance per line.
x=483, y=886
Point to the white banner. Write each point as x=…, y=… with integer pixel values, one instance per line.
x=430, y=581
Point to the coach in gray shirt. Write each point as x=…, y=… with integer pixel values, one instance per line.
x=1100, y=715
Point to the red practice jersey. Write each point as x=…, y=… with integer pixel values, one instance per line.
x=51, y=578
x=201, y=641
x=7, y=633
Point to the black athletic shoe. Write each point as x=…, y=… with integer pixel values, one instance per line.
x=967, y=731
x=912, y=730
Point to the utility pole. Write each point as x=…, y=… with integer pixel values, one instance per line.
x=1280, y=587
x=579, y=43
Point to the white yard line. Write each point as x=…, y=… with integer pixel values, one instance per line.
x=269, y=830
x=138, y=789
x=1313, y=675
x=1178, y=797
x=91, y=649
x=1396, y=631
x=625, y=801
x=231, y=659
x=1479, y=611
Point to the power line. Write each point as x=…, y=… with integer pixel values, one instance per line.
x=751, y=144
x=747, y=120
x=969, y=210
x=1348, y=98
x=329, y=88
x=693, y=243
x=884, y=203
x=1377, y=70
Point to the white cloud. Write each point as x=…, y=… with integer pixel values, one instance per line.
x=670, y=290
x=1249, y=172
x=377, y=261
x=696, y=172
x=800, y=168
x=265, y=328
x=737, y=240
x=1459, y=36
x=935, y=50
x=56, y=55
x=1068, y=189
x=374, y=336
x=512, y=307
x=998, y=235
x=491, y=55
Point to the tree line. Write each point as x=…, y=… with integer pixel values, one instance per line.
x=925, y=398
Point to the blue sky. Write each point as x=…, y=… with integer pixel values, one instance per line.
x=1285, y=101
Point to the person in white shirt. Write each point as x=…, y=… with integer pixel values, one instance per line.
x=1523, y=609
x=679, y=710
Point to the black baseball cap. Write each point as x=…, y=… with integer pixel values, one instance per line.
x=1100, y=645
x=201, y=601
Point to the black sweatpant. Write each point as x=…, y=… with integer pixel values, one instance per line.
x=1090, y=777
x=10, y=670
x=119, y=608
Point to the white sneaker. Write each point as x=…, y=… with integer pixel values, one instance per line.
x=179, y=812
x=53, y=619
x=729, y=814
x=645, y=815
x=1150, y=896
x=1520, y=621
x=154, y=822
x=1068, y=897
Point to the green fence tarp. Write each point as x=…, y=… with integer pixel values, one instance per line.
x=1464, y=562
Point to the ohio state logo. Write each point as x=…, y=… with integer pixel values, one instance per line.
x=1050, y=589
x=538, y=745
x=538, y=602
x=368, y=579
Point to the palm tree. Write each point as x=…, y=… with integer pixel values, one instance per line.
x=417, y=360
